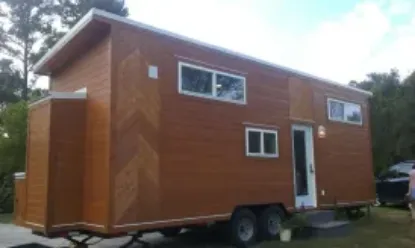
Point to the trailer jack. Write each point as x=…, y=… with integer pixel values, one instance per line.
x=79, y=244
x=136, y=239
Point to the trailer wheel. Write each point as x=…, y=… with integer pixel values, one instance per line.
x=171, y=232
x=269, y=223
x=243, y=228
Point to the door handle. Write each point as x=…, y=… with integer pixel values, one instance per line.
x=312, y=168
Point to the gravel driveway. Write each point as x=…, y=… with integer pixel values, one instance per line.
x=11, y=235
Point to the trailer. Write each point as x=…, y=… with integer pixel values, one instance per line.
x=145, y=130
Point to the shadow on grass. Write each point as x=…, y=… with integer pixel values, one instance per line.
x=209, y=238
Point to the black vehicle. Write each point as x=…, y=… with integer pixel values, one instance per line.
x=392, y=185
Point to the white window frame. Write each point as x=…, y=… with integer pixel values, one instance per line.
x=262, y=131
x=344, y=120
x=214, y=73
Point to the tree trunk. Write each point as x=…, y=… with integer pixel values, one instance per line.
x=25, y=73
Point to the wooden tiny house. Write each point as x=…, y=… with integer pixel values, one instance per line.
x=145, y=129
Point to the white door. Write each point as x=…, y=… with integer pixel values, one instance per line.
x=303, y=166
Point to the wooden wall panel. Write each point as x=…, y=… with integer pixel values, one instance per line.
x=135, y=134
x=92, y=70
x=188, y=153
x=67, y=160
x=344, y=158
x=19, y=214
x=37, y=165
x=301, y=99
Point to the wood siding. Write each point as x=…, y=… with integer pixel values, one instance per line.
x=67, y=161
x=92, y=70
x=175, y=155
x=344, y=158
x=19, y=214
x=153, y=157
x=188, y=152
x=37, y=164
x=301, y=100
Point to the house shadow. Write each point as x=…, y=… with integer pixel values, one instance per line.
x=31, y=245
x=194, y=239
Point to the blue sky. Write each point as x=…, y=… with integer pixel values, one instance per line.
x=339, y=40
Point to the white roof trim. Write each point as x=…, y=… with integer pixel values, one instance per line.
x=61, y=95
x=20, y=175
x=68, y=95
x=95, y=12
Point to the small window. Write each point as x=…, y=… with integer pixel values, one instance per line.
x=203, y=82
x=261, y=143
x=344, y=111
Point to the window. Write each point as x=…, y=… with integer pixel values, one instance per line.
x=344, y=111
x=203, y=82
x=261, y=143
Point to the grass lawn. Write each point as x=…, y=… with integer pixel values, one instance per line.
x=5, y=218
x=389, y=227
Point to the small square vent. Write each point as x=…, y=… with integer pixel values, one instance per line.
x=153, y=72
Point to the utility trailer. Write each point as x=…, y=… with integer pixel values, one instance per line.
x=146, y=130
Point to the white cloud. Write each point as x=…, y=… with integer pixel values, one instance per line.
x=364, y=39
x=340, y=49
x=400, y=7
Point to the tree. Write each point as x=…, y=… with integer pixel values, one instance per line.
x=384, y=111
x=29, y=19
x=10, y=83
x=72, y=11
x=12, y=149
x=391, y=118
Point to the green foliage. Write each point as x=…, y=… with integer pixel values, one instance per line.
x=392, y=117
x=72, y=11
x=10, y=83
x=29, y=20
x=12, y=149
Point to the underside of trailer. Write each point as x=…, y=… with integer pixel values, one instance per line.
x=246, y=226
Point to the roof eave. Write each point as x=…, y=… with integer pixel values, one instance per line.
x=41, y=67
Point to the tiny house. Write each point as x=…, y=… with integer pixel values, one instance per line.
x=147, y=130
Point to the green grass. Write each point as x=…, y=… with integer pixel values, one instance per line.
x=5, y=218
x=388, y=227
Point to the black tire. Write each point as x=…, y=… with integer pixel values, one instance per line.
x=269, y=221
x=171, y=232
x=243, y=228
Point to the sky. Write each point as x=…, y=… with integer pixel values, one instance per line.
x=339, y=40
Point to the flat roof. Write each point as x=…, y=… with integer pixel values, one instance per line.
x=41, y=66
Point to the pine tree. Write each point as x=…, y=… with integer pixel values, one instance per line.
x=71, y=11
x=29, y=19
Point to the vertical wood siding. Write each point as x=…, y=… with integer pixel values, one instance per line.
x=92, y=70
x=37, y=167
x=67, y=161
x=181, y=156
